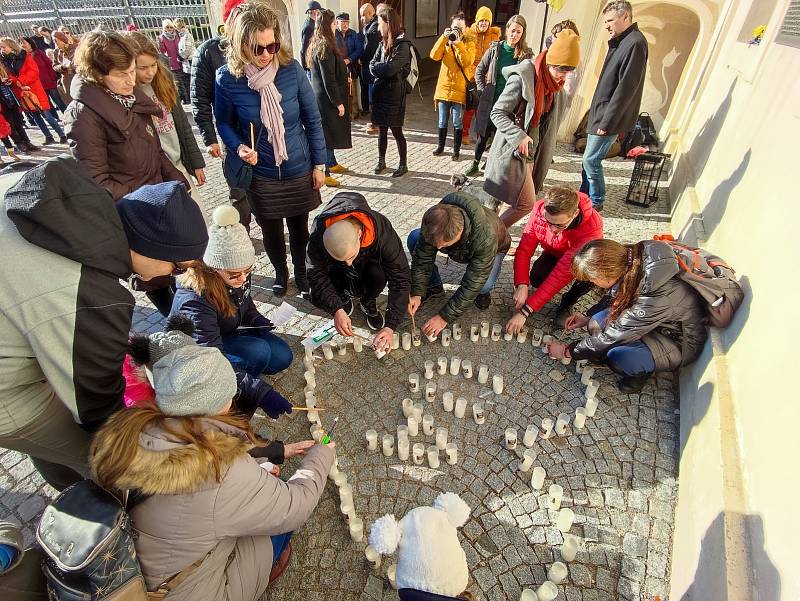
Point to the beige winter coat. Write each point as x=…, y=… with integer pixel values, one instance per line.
x=191, y=515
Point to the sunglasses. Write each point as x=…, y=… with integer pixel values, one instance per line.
x=272, y=48
x=565, y=69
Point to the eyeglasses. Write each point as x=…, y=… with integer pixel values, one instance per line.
x=235, y=275
x=558, y=226
x=564, y=69
x=272, y=48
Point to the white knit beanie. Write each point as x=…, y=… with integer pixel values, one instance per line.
x=430, y=558
x=229, y=245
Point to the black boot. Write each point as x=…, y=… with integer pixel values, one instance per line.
x=633, y=384
x=381, y=166
x=301, y=280
x=401, y=170
x=281, y=280
x=457, y=143
x=442, y=139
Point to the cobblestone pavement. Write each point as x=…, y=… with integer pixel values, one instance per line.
x=618, y=473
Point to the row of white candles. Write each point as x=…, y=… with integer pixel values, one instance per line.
x=456, y=366
x=418, y=450
x=413, y=411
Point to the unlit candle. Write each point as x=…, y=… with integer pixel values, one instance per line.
x=456, y=331
x=455, y=365
x=554, y=495
x=537, y=477
x=406, y=341
x=430, y=392
x=448, y=401
x=427, y=425
x=497, y=384
x=403, y=445
x=413, y=382
x=356, y=527
x=429, y=365
x=579, y=365
x=402, y=432
x=416, y=338
x=373, y=557
x=569, y=550
x=327, y=351
x=528, y=457
x=522, y=335
x=536, y=337
x=452, y=453
x=342, y=348
x=547, y=427
x=445, y=337
x=408, y=407
x=580, y=418
x=528, y=595
x=460, y=408
x=441, y=365
x=466, y=368
x=433, y=456
x=591, y=407
x=484, y=329
x=413, y=426
x=547, y=592
x=557, y=573
x=395, y=340
x=483, y=374
x=497, y=330
x=531, y=432
x=474, y=332
x=511, y=438
x=391, y=574
x=478, y=414
x=508, y=336
x=441, y=438
x=587, y=374
x=561, y=424
x=418, y=453
x=358, y=345
x=418, y=409
x=565, y=519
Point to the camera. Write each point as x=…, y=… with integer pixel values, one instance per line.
x=455, y=34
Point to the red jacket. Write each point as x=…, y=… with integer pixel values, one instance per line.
x=47, y=75
x=29, y=76
x=564, y=243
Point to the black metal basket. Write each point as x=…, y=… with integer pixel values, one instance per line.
x=643, y=189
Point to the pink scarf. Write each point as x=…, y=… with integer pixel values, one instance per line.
x=263, y=82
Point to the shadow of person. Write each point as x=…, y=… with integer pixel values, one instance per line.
x=714, y=211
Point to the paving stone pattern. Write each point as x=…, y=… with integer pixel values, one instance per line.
x=618, y=473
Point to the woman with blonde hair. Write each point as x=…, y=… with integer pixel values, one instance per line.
x=64, y=61
x=649, y=321
x=268, y=118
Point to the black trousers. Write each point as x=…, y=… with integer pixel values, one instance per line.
x=275, y=242
x=240, y=199
x=365, y=281
x=483, y=141
x=543, y=266
x=383, y=143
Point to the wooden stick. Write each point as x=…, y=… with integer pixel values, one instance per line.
x=252, y=138
x=413, y=324
x=308, y=408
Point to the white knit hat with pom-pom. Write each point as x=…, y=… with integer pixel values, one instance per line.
x=430, y=558
x=229, y=245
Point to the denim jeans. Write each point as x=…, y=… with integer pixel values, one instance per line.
x=40, y=117
x=436, y=278
x=56, y=101
x=445, y=108
x=279, y=542
x=632, y=359
x=262, y=353
x=331, y=162
x=592, y=181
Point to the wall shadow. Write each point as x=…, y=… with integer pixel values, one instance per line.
x=714, y=211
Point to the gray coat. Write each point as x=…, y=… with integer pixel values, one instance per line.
x=485, y=80
x=191, y=156
x=668, y=316
x=505, y=174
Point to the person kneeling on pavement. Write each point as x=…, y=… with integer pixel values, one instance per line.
x=353, y=253
x=562, y=222
x=467, y=232
x=215, y=295
x=199, y=497
x=649, y=321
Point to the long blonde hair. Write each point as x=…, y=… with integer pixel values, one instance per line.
x=163, y=83
x=521, y=50
x=243, y=23
x=209, y=284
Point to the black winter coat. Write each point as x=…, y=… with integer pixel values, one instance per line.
x=389, y=95
x=210, y=56
x=371, y=39
x=386, y=251
x=210, y=328
x=618, y=96
x=330, y=85
x=668, y=316
x=191, y=156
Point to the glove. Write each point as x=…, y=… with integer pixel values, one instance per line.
x=274, y=404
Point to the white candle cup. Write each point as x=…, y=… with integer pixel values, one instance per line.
x=308, y=352
x=536, y=337
x=441, y=438
x=340, y=479
x=485, y=329
x=511, y=438
x=333, y=473
x=547, y=592
x=579, y=365
x=346, y=494
x=587, y=374
x=327, y=351
x=456, y=331
x=402, y=432
x=395, y=340
x=561, y=424
x=554, y=495
x=427, y=425
x=528, y=595
x=317, y=432
x=311, y=399
x=418, y=409
x=566, y=360
x=358, y=345
x=403, y=446
x=528, y=457
x=508, y=336
x=433, y=456
x=431, y=337
x=483, y=374
x=446, y=337
x=455, y=365
x=522, y=335
x=347, y=509
x=418, y=453
x=497, y=331
x=460, y=407
x=380, y=353
x=448, y=401
x=373, y=557
x=416, y=338
x=356, y=526
x=342, y=348
x=474, y=332
x=413, y=426
x=478, y=414
x=308, y=363
x=311, y=379
x=430, y=392
x=408, y=407
x=391, y=574
x=591, y=389
x=547, y=428
x=388, y=445
x=441, y=365
x=580, y=418
x=591, y=407
x=569, y=549
x=557, y=573
x=406, y=341
x=313, y=416
x=566, y=517
x=466, y=368
x=547, y=339
x=429, y=369
x=537, y=477
x=497, y=384
x=452, y=453
x=413, y=382
x=529, y=438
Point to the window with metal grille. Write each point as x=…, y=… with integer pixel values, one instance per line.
x=789, y=33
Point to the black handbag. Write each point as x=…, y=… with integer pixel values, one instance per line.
x=236, y=172
x=473, y=95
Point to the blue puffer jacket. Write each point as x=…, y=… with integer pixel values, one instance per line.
x=236, y=106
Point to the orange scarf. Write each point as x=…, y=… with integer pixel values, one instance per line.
x=545, y=89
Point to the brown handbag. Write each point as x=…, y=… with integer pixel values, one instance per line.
x=30, y=102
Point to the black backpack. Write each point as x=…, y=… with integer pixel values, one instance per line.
x=643, y=134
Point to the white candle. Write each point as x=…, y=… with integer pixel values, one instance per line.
x=308, y=363
x=418, y=409
x=591, y=407
x=511, y=438
x=342, y=348
x=441, y=438
x=566, y=517
x=561, y=424
x=346, y=494
x=406, y=341
x=508, y=336
x=528, y=595
x=528, y=457
x=547, y=592
x=580, y=418
x=536, y=337
x=358, y=345
x=497, y=330
x=445, y=337
x=591, y=389
x=497, y=384
x=474, y=332
x=448, y=401
x=373, y=557
x=569, y=550
x=433, y=456
x=413, y=382
x=308, y=352
x=356, y=526
x=416, y=338
x=380, y=354
x=391, y=574
x=347, y=509
x=402, y=432
x=327, y=351
x=484, y=329
x=403, y=445
x=311, y=379
x=317, y=432
x=466, y=368
x=431, y=337
x=427, y=425
x=413, y=426
x=395, y=340
x=452, y=453
x=456, y=331
x=441, y=365
x=333, y=473
x=537, y=477
x=455, y=365
x=460, y=408
x=408, y=407
x=483, y=374
x=418, y=453
x=579, y=365
x=554, y=495
x=587, y=374
x=522, y=335
x=478, y=414
x=340, y=479
x=430, y=392
x=531, y=432
x=313, y=416
x=565, y=360
x=557, y=573
x=547, y=427
x=311, y=399
x=429, y=369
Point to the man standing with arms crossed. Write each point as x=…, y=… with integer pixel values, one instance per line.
x=616, y=101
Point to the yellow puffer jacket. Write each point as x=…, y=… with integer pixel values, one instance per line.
x=451, y=86
x=485, y=39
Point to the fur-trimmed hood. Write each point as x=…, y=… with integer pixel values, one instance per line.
x=164, y=465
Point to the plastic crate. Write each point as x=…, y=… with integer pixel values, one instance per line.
x=643, y=189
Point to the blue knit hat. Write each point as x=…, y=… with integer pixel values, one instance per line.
x=162, y=222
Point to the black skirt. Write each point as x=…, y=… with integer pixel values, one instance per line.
x=281, y=198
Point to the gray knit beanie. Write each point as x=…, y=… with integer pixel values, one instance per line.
x=229, y=245
x=163, y=343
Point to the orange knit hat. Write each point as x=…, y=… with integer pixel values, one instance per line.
x=566, y=50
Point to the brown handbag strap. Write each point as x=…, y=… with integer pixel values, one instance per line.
x=175, y=581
